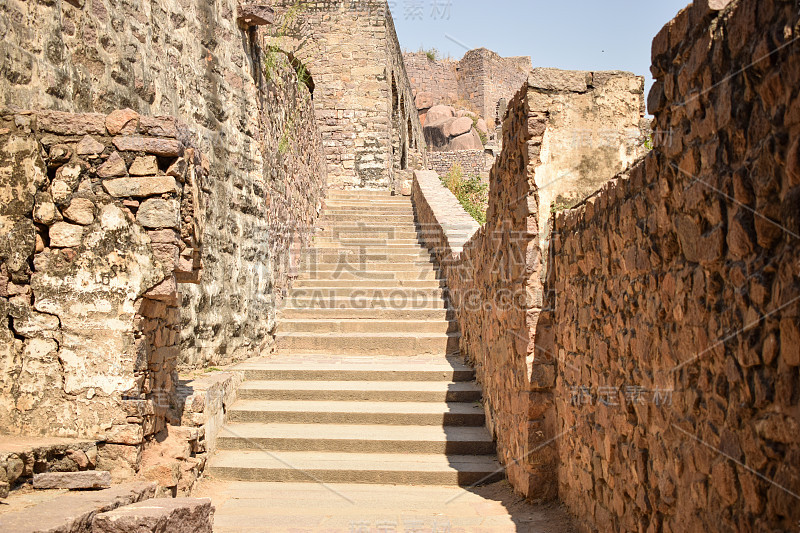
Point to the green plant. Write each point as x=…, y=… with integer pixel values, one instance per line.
x=471, y=192
x=484, y=138
x=431, y=53
x=648, y=142
x=562, y=204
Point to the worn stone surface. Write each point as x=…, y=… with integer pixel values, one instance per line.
x=255, y=15
x=144, y=166
x=142, y=187
x=178, y=515
x=75, y=511
x=89, y=479
x=80, y=211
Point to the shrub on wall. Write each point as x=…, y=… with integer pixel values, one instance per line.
x=470, y=191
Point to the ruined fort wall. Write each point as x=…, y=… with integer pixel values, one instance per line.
x=190, y=60
x=473, y=162
x=363, y=99
x=675, y=294
x=484, y=78
x=436, y=78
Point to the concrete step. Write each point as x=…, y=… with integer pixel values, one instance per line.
x=386, y=249
x=288, y=313
x=364, y=304
x=420, y=265
x=358, y=257
x=364, y=242
x=360, y=193
x=356, y=438
x=352, y=369
x=369, y=343
x=359, y=413
x=369, y=284
x=369, y=211
x=409, y=275
x=330, y=467
x=366, y=292
x=367, y=234
x=352, y=391
x=358, y=217
x=338, y=325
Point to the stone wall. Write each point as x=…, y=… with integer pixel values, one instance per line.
x=436, y=79
x=675, y=294
x=591, y=128
x=472, y=161
x=189, y=59
x=97, y=226
x=484, y=78
x=362, y=97
x=495, y=281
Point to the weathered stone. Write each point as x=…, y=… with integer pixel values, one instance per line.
x=790, y=341
x=176, y=515
x=424, y=101
x=89, y=146
x=122, y=122
x=89, y=479
x=114, y=167
x=4, y=489
x=141, y=187
x=459, y=126
x=58, y=155
x=552, y=79
x=144, y=166
x=64, y=235
x=438, y=114
x=249, y=15
x=130, y=434
x=80, y=211
x=157, y=213
x=150, y=145
x=45, y=212
x=159, y=126
x=63, y=123
x=178, y=169
x=468, y=141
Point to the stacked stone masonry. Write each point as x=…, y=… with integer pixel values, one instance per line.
x=473, y=162
x=190, y=60
x=674, y=294
x=481, y=79
x=364, y=104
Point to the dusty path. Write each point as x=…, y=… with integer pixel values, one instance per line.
x=308, y=507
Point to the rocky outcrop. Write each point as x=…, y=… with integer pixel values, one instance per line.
x=446, y=130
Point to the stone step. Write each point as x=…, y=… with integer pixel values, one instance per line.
x=347, y=368
x=360, y=193
x=358, y=291
x=358, y=413
x=356, y=438
x=371, y=313
x=427, y=275
x=377, y=301
x=369, y=343
x=368, y=284
x=327, y=326
x=386, y=248
x=355, y=258
x=358, y=217
x=375, y=267
x=369, y=211
x=390, y=234
x=364, y=242
x=370, y=391
x=330, y=467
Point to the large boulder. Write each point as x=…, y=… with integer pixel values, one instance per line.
x=468, y=141
x=439, y=113
x=424, y=101
x=457, y=127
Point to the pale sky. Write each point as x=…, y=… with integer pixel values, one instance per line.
x=567, y=34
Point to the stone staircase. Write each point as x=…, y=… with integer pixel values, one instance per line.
x=367, y=385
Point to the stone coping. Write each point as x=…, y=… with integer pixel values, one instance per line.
x=456, y=224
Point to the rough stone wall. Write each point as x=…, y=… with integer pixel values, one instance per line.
x=675, y=303
x=484, y=78
x=593, y=130
x=363, y=99
x=472, y=161
x=97, y=225
x=495, y=281
x=188, y=59
x=434, y=78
